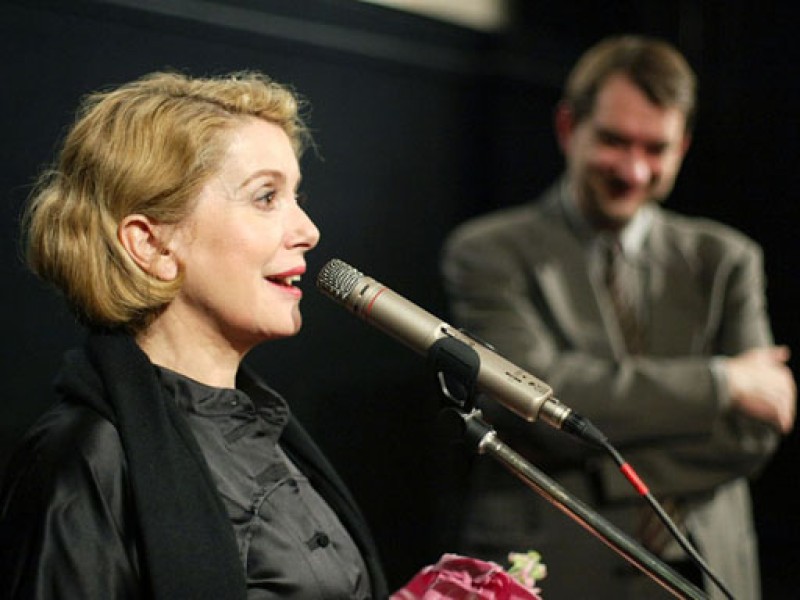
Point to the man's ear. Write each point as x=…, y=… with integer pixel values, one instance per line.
x=564, y=121
x=146, y=242
x=686, y=143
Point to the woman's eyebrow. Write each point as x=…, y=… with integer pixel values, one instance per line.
x=263, y=173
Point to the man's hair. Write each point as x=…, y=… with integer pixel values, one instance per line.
x=146, y=147
x=653, y=65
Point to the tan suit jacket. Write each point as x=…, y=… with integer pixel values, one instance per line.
x=519, y=279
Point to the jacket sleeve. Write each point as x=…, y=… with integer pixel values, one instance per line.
x=668, y=414
x=63, y=513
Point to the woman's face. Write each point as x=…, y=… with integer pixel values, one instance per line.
x=242, y=248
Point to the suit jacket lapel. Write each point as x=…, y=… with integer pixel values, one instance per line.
x=578, y=304
x=678, y=308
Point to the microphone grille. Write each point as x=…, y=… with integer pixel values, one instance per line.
x=338, y=279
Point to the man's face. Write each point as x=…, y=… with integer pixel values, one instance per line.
x=626, y=153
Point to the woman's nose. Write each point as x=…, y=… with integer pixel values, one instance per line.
x=306, y=232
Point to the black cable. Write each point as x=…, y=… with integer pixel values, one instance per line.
x=644, y=492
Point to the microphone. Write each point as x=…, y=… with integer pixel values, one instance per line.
x=513, y=387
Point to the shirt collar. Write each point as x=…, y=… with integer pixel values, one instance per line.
x=631, y=238
x=211, y=401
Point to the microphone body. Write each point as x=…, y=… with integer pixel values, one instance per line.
x=513, y=387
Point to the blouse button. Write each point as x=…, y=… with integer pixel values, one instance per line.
x=318, y=540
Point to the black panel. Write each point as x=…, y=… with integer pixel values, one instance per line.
x=419, y=126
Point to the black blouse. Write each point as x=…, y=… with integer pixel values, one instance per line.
x=79, y=518
x=291, y=543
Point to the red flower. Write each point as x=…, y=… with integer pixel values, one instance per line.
x=457, y=577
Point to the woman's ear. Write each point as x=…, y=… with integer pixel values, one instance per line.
x=145, y=241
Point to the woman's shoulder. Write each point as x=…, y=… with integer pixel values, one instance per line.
x=69, y=447
x=66, y=512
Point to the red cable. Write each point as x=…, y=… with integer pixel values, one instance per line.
x=631, y=476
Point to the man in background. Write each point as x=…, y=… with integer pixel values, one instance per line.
x=650, y=324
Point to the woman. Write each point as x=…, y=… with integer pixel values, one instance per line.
x=165, y=470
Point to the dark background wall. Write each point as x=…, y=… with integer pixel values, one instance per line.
x=419, y=125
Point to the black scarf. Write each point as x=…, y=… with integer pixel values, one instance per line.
x=189, y=549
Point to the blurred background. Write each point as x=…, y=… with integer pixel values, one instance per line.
x=425, y=114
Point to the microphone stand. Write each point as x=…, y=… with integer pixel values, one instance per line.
x=457, y=371
x=486, y=441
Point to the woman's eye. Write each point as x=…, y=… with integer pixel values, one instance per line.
x=266, y=197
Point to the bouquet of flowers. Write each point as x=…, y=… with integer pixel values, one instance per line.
x=457, y=577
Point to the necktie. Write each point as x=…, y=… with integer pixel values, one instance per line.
x=654, y=535
x=650, y=530
x=624, y=307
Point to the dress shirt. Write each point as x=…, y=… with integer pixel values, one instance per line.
x=632, y=240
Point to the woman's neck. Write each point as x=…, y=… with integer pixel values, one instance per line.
x=207, y=359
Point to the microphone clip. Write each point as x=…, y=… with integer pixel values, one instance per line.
x=456, y=366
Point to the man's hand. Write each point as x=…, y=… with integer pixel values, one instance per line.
x=762, y=387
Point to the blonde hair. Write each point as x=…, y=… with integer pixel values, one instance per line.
x=146, y=147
